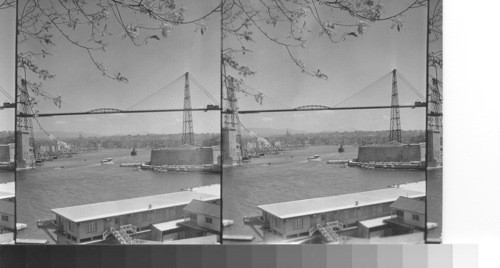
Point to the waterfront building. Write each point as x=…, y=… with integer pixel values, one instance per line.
x=408, y=213
x=203, y=216
x=302, y=217
x=126, y=220
x=7, y=206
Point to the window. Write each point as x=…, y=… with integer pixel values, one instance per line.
x=5, y=218
x=298, y=223
x=400, y=213
x=415, y=217
x=208, y=220
x=117, y=220
x=92, y=227
x=193, y=217
x=70, y=226
x=276, y=222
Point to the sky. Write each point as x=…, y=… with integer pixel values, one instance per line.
x=7, y=64
x=350, y=65
x=148, y=69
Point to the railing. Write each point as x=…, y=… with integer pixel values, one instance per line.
x=121, y=234
x=46, y=224
x=329, y=231
x=335, y=225
x=254, y=220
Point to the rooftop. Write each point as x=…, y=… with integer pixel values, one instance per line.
x=375, y=222
x=169, y=225
x=128, y=206
x=407, y=204
x=305, y=207
x=7, y=190
x=212, y=189
x=204, y=208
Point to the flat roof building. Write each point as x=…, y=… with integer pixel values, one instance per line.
x=91, y=223
x=7, y=206
x=296, y=218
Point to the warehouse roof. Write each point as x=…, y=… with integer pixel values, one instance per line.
x=7, y=190
x=407, y=204
x=128, y=206
x=204, y=208
x=339, y=202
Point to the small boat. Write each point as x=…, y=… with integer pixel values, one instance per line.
x=134, y=152
x=107, y=161
x=20, y=226
x=314, y=158
x=341, y=148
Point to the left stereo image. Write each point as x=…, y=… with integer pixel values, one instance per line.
x=7, y=114
x=118, y=122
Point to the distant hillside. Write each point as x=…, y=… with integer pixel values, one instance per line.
x=64, y=135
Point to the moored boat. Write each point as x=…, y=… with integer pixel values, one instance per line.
x=314, y=158
x=107, y=161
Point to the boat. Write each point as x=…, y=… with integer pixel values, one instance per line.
x=337, y=161
x=314, y=158
x=134, y=152
x=341, y=148
x=107, y=161
x=20, y=226
x=245, y=159
x=38, y=162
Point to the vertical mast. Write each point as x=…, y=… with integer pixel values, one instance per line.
x=187, y=122
x=395, y=130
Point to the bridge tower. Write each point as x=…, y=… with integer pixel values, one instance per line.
x=25, y=139
x=187, y=122
x=395, y=130
x=435, y=124
x=231, y=132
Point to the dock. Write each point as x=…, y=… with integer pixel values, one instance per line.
x=241, y=238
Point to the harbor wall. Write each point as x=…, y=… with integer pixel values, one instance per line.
x=231, y=149
x=390, y=153
x=183, y=156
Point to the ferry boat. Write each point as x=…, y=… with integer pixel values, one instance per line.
x=107, y=161
x=314, y=158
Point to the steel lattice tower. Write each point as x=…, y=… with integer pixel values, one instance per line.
x=187, y=122
x=395, y=130
x=436, y=107
x=25, y=140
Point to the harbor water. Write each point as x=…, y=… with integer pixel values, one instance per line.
x=81, y=179
x=290, y=176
